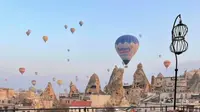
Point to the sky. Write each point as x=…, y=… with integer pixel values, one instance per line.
x=92, y=45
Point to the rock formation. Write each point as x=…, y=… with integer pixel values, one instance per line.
x=73, y=89
x=49, y=93
x=115, y=88
x=140, y=79
x=194, y=83
x=133, y=95
x=93, y=86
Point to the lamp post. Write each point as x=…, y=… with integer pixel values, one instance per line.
x=178, y=45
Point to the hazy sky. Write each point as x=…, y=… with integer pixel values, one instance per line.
x=92, y=45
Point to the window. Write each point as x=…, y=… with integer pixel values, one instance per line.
x=9, y=101
x=93, y=86
x=127, y=92
x=2, y=101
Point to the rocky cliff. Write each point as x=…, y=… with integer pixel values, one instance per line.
x=48, y=93
x=73, y=89
x=194, y=83
x=93, y=86
x=140, y=79
x=115, y=88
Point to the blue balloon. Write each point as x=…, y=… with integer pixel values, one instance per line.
x=126, y=47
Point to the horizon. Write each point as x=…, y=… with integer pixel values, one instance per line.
x=92, y=46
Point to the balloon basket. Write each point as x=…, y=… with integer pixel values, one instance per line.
x=125, y=66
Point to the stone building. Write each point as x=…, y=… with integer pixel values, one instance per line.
x=166, y=84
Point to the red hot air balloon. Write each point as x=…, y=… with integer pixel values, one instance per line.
x=167, y=63
x=22, y=70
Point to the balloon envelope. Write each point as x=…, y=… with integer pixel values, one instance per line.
x=126, y=46
x=45, y=38
x=59, y=82
x=167, y=63
x=66, y=26
x=72, y=30
x=33, y=82
x=28, y=32
x=32, y=89
x=81, y=23
x=54, y=79
x=22, y=70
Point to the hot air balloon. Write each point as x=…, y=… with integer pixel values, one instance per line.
x=72, y=30
x=140, y=35
x=126, y=46
x=22, y=70
x=54, y=79
x=33, y=82
x=108, y=70
x=68, y=50
x=65, y=90
x=167, y=63
x=81, y=23
x=5, y=80
x=39, y=91
x=36, y=73
x=59, y=82
x=160, y=56
x=28, y=32
x=32, y=89
x=45, y=38
x=66, y=26
x=76, y=78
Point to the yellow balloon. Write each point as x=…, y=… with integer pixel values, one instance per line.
x=59, y=82
x=45, y=38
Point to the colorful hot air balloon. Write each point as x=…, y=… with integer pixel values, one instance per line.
x=36, y=73
x=28, y=32
x=126, y=46
x=81, y=23
x=59, y=82
x=32, y=89
x=66, y=26
x=54, y=79
x=167, y=63
x=22, y=70
x=45, y=38
x=39, y=91
x=33, y=82
x=72, y=30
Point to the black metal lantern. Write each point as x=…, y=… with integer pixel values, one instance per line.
x=178, y=46
x=179, y=31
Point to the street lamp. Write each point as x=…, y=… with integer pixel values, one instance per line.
x=178, y=45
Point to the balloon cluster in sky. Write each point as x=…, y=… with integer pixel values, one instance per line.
x=45, y=38
x=126, y=47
